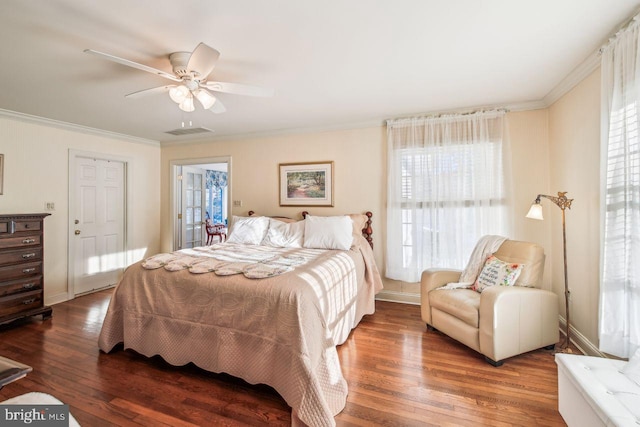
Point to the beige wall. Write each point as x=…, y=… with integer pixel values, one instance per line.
x=529, y=136
x=36, y=172
x=574, y=144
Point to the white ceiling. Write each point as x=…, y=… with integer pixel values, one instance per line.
x=332, y=63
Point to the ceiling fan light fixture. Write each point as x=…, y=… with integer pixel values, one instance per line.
x=206, y=99
x=179, y=93
x=187, y=104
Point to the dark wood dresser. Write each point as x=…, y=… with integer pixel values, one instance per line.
x=21, y=267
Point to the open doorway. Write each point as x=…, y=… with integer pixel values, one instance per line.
x=201, y=194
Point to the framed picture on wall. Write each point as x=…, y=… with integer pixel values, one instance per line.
x=306, y=184
x=1, y=172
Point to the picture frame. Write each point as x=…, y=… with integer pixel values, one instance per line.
x=306, y=184
x=1, y=173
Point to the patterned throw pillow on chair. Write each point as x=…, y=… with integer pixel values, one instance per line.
x=497, y=272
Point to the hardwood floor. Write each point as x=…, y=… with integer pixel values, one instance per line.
x=398, y=375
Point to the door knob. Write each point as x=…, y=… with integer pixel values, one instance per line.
x=77, y=232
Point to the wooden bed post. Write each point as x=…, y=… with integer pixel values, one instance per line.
x=368, y=231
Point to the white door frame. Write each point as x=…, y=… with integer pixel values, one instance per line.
x=173, y=177
x=73, y=154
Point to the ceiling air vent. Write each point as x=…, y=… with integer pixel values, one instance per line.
x=188, y=131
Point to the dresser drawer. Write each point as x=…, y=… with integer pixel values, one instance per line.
x=15, y=226
x=20, y=302
x=20, y=255
x=20, y=271
x=22, y=285
x=19, y=241
x=6, y=227
x=26, y=225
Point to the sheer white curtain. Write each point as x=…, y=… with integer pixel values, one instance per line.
x=446, y=189
x=619, y=327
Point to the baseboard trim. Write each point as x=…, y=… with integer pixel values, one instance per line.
x=402, y=297
x=580, y=341
x=57, y=299
x=65, y=296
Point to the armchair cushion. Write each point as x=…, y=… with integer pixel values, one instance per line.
x=524, y=253
x=462, y=304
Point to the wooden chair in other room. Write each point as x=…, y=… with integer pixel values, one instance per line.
x=215, y=230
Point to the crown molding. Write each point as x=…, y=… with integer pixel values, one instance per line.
x=74, y=127
x=582, y=71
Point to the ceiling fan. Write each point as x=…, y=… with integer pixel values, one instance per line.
x=190, y=72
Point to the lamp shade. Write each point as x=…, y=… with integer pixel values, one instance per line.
x=206, y=99
x=178, y=93
x=187, y=104
x=535, y=212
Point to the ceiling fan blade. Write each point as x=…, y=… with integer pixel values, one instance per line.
x=203, y=60
x=239, y=89
x=151, y=91
x=133, y=64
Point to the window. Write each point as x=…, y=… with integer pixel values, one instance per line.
x=446, y=190
x=619, y=327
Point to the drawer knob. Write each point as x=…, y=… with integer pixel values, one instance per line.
x=28, y=285
x=29, y=301
x=27, y=256
x=27, y=241
x=28, y=270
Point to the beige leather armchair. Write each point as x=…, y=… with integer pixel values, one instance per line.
x=502, y=321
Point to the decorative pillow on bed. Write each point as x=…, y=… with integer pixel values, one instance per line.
x=248, y=230
x=497, y=273
x=328, y=232
x=359, y=222
x=284, y=234
x=632, y=369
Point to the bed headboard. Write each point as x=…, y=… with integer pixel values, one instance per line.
x=367, y=231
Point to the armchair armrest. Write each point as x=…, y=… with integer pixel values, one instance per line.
x=434, y=278
x=515, y=319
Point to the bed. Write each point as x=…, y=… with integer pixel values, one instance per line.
x=269, y=306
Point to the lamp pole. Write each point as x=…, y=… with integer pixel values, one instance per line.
x=563, y=203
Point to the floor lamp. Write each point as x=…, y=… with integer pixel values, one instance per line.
x=535, y=212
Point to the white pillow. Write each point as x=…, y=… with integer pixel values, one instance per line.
x=284, y=235
x=248, y=230
x=328, y=232
x=632, y=369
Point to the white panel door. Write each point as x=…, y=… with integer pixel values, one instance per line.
x=98, y=227
x=193, y=206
